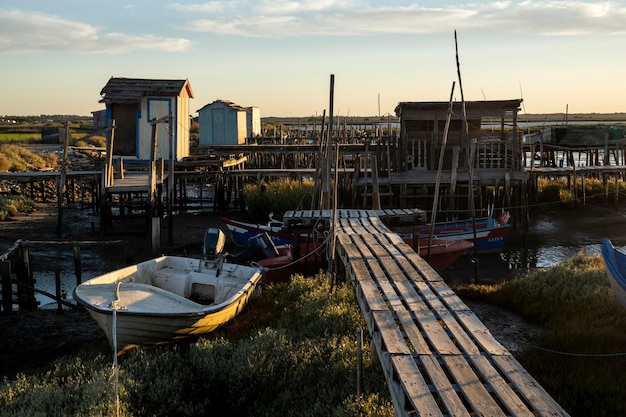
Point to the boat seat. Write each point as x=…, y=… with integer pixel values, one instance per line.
x=174, y=280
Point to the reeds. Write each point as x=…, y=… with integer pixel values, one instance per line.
x=276, y=197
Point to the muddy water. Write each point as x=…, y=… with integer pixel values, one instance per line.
x=553, y=235
x=45, y=263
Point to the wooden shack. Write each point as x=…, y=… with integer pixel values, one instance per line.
x=133, y=103
x=223, y=122
x=423, y=126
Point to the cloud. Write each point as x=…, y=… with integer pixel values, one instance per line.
x=347, y=17
x=22, y=32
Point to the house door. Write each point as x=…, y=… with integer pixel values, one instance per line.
x=158, y=108
x=125, y=134
x=219, y=126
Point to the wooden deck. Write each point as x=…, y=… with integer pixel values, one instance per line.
x=438, y=357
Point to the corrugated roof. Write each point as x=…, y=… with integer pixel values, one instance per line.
x=131, y=90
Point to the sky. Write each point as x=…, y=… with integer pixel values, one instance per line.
x=279, y=55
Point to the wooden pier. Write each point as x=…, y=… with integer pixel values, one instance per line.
x=438, y=357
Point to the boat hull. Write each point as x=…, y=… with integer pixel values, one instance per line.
x=442, y=252
x=242, y=232
x=166, y=298
x=490, y=235
x=615, y=265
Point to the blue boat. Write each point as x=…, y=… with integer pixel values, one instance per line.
x=615, y=265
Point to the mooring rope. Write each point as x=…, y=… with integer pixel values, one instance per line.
x=583, y=355
x=114, y=306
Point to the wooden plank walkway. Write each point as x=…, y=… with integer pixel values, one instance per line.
x=438, y=357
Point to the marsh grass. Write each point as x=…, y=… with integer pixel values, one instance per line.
x=13, y=205
x=14, y=158
x=277, y=197
x=292, y=352
x=581, y=357
x=560, y=190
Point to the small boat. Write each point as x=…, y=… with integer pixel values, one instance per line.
x=490, y=234
x=301, y=245
x=443, y=252
x=615, y=264
x=276, y=261
x=168, y=297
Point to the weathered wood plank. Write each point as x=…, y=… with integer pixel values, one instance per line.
x=391, y=337
x=470, y=386
x=541, y=402
x=480, y=333
x=415, y=388
x=500, y=387
x=436, y=334
x=443, y=386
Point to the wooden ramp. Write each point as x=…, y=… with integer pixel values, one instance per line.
x=438, y=357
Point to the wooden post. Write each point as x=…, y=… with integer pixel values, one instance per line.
x=153, y=222
x=616, y=189
x=375, y=186
x=57, y=286
x=25, y=294
x=62, y=177
x=7, y=287
x=170, y=184
x=78, y=269
x=359, y=361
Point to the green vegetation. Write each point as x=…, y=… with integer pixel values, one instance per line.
x=14, y=158
x=276, y=197
x=14, y=205
x=292, y=352
x=582, y=354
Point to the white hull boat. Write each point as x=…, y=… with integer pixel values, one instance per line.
x=166, y=298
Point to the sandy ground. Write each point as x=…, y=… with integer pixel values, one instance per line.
x=30, y=340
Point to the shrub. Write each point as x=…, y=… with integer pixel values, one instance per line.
x=14, y=205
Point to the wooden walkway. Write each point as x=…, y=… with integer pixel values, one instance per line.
x=438, y=357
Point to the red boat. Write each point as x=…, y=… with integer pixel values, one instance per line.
x=443, y=252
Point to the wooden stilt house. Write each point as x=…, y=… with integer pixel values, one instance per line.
x=133, y=103
x=497, y=146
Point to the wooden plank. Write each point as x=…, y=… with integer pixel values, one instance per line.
x=429, y=296
x=500, y=387
x=448, y=296
x=471, y=388
x=539, y=400
x=443, y=386
x=412, y=331
x=436, y=334
x=461, y=338
x=375, y=247
x=480, y=333
x=391, y=337
x=414, y=387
